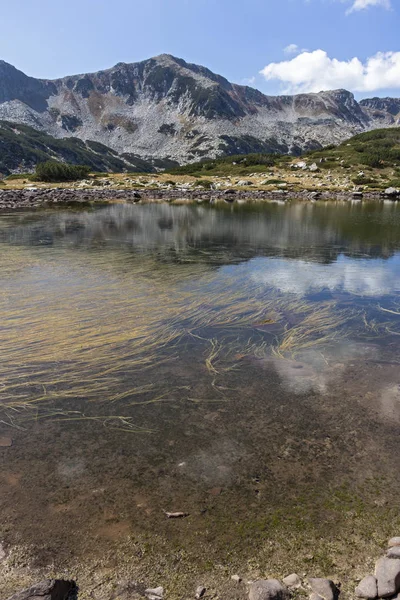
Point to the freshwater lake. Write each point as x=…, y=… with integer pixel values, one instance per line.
x=236, y=363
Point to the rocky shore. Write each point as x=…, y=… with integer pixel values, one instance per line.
x=385, y=583
x=36, y=197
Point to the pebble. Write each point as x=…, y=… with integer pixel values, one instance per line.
x=325, y=588
x=5, y=441
x=154, y=593
x=292, y=581
x=394, y=541
x=367, y=588
x=236, y=578
x=268, y=589
x=387, y=572
x=201, y=590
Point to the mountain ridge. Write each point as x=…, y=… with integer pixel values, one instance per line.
x=166, y=108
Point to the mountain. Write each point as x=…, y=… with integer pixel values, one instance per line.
x=164, y=108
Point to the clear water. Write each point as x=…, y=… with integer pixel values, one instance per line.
x=239, y=363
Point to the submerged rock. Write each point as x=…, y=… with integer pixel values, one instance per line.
x=387, y=572
x=367, y=588
x=50, y=589
x=268, y=589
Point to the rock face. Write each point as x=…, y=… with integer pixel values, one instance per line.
x=387, y=572
x=268, y=589
x=51, y=589
x=164, y=108
x=367, y=588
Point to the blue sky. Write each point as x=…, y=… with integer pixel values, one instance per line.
x=242, y=40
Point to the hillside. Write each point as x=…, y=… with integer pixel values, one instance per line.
x=166, y=109
x=22, y=147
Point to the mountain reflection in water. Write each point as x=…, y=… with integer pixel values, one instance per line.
x=239, y=363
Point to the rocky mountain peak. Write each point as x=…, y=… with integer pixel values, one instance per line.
x=167, y=108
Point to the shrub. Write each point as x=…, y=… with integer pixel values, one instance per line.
x=205, y=183
x=19, y=176
x=53, y=171
x=363, y=180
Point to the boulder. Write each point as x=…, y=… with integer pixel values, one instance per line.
x=391, y=191
x=50, y=589
x=393, y=552
x=268, y=589
x=292, y=581
x=367, y=588
x=387, y=572
x=324, y=588
x=394, y=541
x=314, y=167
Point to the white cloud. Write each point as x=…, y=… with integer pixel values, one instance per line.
x=316, y=71
x=291, y=49
x=363, y=4
x=294, y=49
x=364, y=277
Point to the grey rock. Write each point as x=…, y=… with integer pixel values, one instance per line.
x=154, y=593
x=50, y=589
x=315, y=597
x=324, y=588
x=394, y=541
x=292, y=581
x=367, y=588
x=201, y=590
x=236, y=578
x=387, y=572
x=268, y=589
x=391, y=191
x=393, y=552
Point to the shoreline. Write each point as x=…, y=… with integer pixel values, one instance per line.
x=28, y=197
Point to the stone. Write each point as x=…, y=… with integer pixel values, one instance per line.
x=243, y=183
x=358, y=195
x=292, y=581
x=268, y=589
x=391, y=191
x=393, y=552
x=154, y=593
x=367, y=588
x=236, y=578
x=201, y=590
x=2, y=552
x=394, y=541
x=324, y=588
x=314, y=167
x=315, y=597
x=50, y=589
x=5, y=441
x=387, y=572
